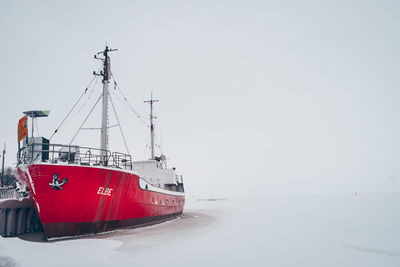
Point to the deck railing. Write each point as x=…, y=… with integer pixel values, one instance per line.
x=69, y=154
x=7, y=192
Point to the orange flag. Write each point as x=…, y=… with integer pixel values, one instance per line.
x=22, y=128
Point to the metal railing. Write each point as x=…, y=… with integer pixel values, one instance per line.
x=78, y=155
x=8, y=192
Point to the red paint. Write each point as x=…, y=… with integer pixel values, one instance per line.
x=94, y=195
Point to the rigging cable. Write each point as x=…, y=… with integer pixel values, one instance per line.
x=69, y=113
x=84, y=104
x=90, y=95
x=96, y=128
x=130, y=106
x=119, y=124
x=119, y=99
x=146, y=147
x=86, y=119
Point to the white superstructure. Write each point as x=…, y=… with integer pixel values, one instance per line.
x=154, y=172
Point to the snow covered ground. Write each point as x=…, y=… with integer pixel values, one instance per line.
x=314, y=230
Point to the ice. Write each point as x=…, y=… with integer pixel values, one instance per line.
x=297, y=230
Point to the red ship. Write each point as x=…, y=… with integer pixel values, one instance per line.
x=80, y=190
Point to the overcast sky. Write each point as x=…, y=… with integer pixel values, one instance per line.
x=256, y=97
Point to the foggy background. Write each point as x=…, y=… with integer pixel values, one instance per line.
x=256, y=97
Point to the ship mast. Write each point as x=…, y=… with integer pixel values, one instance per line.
x=106, y=73
x=151, y=101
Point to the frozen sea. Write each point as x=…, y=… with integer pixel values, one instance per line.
x=301, y=230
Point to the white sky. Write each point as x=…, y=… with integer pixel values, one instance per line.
x=256, y=97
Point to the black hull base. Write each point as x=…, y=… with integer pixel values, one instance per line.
x=68, y=230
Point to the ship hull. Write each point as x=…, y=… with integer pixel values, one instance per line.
x=92, y=200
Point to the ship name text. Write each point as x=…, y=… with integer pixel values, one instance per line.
x=104, y=191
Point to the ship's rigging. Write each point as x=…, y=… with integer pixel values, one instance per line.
x=107, y=96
